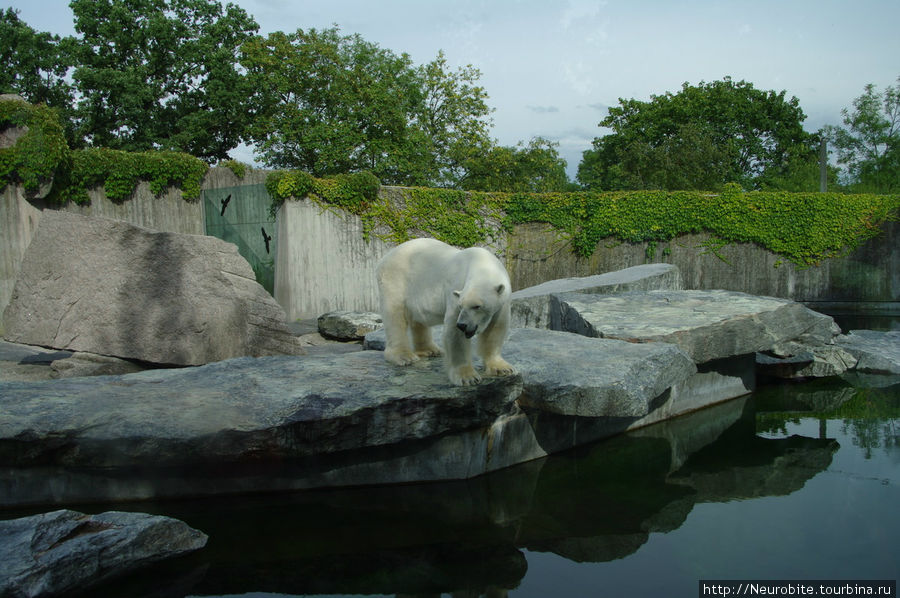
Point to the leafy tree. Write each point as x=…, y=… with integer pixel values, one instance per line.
x=703, y=136
x=689, y=159
x=161, y=74
x=331, y=104
x=453, y=119
x=535, y=167
x=869, y=146
x=35, y=64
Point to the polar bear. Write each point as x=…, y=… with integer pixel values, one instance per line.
x=425, y=282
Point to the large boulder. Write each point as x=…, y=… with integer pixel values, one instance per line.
x=530, y=307
x=111, y=288
x=577, y=376
x=877, y=351
x=64, y=551
x=707, y=325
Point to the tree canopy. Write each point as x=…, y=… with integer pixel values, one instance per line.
x=36, y=65
x=868, y=145
x=329, y=103
x=158, y=74
x=700, y=138
x=535, y=167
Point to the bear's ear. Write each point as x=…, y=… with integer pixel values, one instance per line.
x=457, y=294
x=500, y=289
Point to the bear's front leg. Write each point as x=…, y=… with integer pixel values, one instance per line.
x=490, y=342
x=458, y=356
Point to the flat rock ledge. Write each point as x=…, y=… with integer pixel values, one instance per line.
x=530, y=307
x=241, y=410
x=63, y=551
x=252, y=424
x=876, y=351
x=707, y=325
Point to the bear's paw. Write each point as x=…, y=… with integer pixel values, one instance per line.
x=464, y=375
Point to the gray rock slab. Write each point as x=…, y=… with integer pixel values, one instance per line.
x=707, y=325
x=108, y=287
x=348, y=325
x=62, y=551
x=579, y=376
x=569, y=374
x=240, y=410
x=806, y=361
x=876, y=351
x=530, y=307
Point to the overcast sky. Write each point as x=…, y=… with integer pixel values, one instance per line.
x=551, y=68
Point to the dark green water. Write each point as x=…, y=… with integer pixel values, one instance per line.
x=798, y=481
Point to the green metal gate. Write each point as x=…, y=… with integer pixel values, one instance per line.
x=240, y=215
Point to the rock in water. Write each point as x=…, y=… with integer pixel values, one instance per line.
x=52, y=553
x=108, y=287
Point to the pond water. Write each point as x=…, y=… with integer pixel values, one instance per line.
x=797, y=481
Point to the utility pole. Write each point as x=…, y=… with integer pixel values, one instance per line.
x=823, y=166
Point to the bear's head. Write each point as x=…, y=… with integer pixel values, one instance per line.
x=477, y=307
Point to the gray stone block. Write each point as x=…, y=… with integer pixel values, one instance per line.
x=877, y=351
x=108, y=287
x=348, y=325
x=707, y=325
x=530, y=307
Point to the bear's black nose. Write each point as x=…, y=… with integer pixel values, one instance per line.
x=465, y=330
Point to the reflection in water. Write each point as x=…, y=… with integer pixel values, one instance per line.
x=596, y=504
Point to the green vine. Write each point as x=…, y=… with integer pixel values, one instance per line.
x=237, y=167
x=355, y=193
x=42, y=155
x=119, y=173
x=805, y=228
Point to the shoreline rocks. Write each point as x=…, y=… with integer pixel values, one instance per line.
x=62, y=551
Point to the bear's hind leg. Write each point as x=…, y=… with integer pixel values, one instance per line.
x=423, y=344
x=397, y=348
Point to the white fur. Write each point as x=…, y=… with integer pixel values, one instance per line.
x=425, y=282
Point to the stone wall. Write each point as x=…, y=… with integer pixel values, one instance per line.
x=322, y=262
x=869, y=275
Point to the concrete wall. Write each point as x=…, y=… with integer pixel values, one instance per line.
x=323, y=263
x=870, y=274
x=18, y=220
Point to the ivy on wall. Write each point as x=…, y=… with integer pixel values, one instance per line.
x=42, y=155
x=805, y=228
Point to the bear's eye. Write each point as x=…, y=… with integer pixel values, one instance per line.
x=476, y=307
